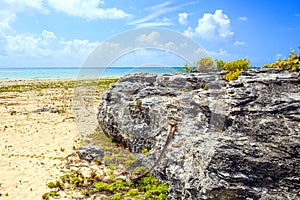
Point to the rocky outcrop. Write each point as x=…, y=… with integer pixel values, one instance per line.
x=237, y=140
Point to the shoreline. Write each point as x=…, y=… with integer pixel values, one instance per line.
x=57, y=80
x=76, y=73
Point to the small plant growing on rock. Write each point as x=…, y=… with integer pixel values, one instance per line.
x=145, y=151
x=139, y=104
x=205, y=64
x=187, y=68
x=234, y=68
x=292, y=63
x=220, y=64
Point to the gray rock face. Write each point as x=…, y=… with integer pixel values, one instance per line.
x=90, y=152
x=235, y=140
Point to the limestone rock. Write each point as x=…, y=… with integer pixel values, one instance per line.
x=235, y=140
x=90, y=153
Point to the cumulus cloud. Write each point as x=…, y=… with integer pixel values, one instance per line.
x=239, y=43
x=182, y=18
x=88, y=9
x=46, y=46
x=153, y=39
x=7, y=18
x=189, y=32
x=212, y=27
x=149, y=39
x=243, y=18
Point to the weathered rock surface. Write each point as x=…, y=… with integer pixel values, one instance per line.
x=90, y=153
x=235, y=140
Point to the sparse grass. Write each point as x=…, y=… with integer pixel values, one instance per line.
x=108, y=181
x=32, y=156
x=38, y=86
x=147, y=188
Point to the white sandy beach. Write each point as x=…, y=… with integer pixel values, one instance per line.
x=34, y=145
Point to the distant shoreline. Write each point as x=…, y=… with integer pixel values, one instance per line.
x=73, y=73
x=104, y=67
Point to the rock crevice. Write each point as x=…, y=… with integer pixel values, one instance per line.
x=234, y=140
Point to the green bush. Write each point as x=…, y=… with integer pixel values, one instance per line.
x=237, y=65
x=187, y=68
x=234, y=68
x=232, y=75
x=205, y=64
x=292, y=63
x=220, y=64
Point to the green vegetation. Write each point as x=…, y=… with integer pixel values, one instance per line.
x=292, y=63
x=101, y=84
x=234, y=68
x=115, y=188
x=187, y=68
x=205, y=64
x=147, y=188
x=220, y=64
x=109, y=182
x=139, y=104
x=145, y=151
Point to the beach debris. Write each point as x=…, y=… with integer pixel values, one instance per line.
x=13, y=112
x=46, y=109
x=90, y=152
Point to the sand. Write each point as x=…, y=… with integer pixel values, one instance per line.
x=34, y=145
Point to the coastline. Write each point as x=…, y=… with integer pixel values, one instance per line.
x=11, y=74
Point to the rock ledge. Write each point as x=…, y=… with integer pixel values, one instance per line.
x=235, y=140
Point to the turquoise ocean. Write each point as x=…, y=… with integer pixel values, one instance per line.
x=77, y=73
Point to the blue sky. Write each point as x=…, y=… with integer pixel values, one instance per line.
x=56, y=33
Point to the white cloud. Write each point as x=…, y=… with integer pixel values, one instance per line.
x=151, y=19
x=156, y=11
x=189, y=32
x=45, y=47
x=154, y=39
x=182, y=18
x=7, y=18
x=239, y=43
x=212, y=27
x=149, y=39
x=10, y=8
x=23, y=5
x=88, y=9
x=243, y=18
x=222, y=54
x=163, y=22
x=48, y=34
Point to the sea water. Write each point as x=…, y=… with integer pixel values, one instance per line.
x=77, y=73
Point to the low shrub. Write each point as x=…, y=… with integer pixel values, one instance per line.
x=292, y=63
